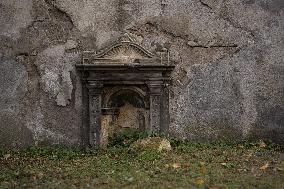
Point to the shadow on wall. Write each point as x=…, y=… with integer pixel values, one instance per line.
x=218, y=129
x=269, y=126
x=14, y=134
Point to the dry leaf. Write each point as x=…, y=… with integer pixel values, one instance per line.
x=33, y=178
x=215, y=187
x=264, y=167
x=40, y=175
x=176, y=165
x=240, y=146
x=202, y=170
x=199, y=181
x=279, y=169
x=224, y=164
x=6, y=156
x=261, y=144
x=187, y=165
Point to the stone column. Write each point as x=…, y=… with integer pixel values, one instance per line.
x=95, y=90
x=165, y=117
x=155, y=107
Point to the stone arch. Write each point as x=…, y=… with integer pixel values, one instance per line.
x=137, y=97
x=124, y=107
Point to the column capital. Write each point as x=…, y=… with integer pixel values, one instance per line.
x=95, y=88
x=94, y=84
x=156, y=88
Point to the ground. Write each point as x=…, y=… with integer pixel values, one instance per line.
x=216, y=165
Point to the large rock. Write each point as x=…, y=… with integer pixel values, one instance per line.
x=152, y=143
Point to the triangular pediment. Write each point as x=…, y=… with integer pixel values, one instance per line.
x=125, y=51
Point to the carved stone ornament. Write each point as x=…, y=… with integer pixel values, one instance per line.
x=124, y=86
x=126, y=51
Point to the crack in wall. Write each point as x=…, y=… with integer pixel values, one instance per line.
x=214, y=46
x=205, y=4
x=225, y=16
x=184, y=38
x=52, y=4
x=238, y=26
x=153, y=28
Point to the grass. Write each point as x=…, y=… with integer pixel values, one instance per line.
x=188, y=165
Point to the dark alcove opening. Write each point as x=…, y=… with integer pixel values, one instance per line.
x=125, y=108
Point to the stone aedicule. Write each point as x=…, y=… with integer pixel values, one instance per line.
x=126, y=86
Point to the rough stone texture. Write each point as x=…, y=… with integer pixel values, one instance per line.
x=152, y=143
x=228, y=81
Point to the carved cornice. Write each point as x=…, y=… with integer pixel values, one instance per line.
x=123, y=67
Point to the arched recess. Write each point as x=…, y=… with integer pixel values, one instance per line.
x=124, y=107
x=119, y=94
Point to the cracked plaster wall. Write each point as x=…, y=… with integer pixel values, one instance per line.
x=228, y=81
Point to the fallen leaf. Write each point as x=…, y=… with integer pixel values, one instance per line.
x=224, y=164
x=215, y=187
x=129, y=179
x=240, y=146
x=202, y=170
x=261, y=144
x=264, y=167
x=40, y=175
x=7, y=156
x=279, y=169
x=33, y=178
x=241, y=170
x=187, y=165
x=176, y=165
x=199, y=181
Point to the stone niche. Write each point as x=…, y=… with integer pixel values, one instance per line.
x=124, y=86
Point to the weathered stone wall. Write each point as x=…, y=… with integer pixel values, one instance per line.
x=228, y=81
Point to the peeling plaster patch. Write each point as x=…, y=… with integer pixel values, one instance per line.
x=64, y=95
x=54, y=66
x=50, y=81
